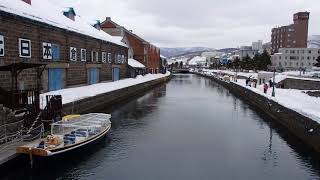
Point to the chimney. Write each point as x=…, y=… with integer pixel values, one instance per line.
x=70, y=13
x=108, y=18
x=27, y=1
x=97, y=25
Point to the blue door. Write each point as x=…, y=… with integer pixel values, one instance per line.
x=115, y=74
x=54, y=79
x=93, y=75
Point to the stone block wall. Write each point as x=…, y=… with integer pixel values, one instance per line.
x=301, y=84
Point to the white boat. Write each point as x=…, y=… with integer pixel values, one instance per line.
x=73, y=131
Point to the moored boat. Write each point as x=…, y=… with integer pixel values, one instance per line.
x=72, y=132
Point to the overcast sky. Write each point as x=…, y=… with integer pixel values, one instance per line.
x=209, y=23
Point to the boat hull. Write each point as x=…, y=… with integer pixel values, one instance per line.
x=63, y=150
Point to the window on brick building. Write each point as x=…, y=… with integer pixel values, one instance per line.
x=123, y=59
x=308, y=58
x=104, y=57
x=109, y=58
x=94, y=56
x=119, y=58
x=55, y=52
x=83, y=55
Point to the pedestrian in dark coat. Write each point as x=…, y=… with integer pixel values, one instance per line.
x=270, y=83
x=265, y=88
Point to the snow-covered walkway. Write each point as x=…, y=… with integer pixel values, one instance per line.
x=293, y=99
x=73, y=94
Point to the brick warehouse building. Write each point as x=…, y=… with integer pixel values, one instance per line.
x=76, y=53
x=139, y=49
x=291, y=36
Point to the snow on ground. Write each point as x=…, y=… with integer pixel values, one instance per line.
x=279, y=76
x=229, y=72
x=73, y=94
x=293, y=99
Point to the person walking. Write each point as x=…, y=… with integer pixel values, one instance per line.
x=265, y=88
x=270, y=83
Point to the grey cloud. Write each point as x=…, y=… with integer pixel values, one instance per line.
x=212, y=23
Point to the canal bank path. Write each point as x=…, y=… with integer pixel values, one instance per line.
x=70, y=95
x=294, y=99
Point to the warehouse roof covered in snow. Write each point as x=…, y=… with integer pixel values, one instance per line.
x=46, y=12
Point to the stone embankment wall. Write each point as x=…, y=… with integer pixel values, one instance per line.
x=301, y=84
x=92, y=103
x=302, y=127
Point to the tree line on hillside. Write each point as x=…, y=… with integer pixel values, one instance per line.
x=258, y=62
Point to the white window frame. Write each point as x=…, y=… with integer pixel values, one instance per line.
x=119, y=58
x=109, y=58
x=75, y=57
x=104, y=57
x=2, y=46
x=30, y=48
x=96, y=58
x=123, y=59
x=85, y=54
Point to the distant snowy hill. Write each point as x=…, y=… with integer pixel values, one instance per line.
x=314, y=41
x=173, y=52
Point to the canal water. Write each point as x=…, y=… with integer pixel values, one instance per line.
x=190, y=128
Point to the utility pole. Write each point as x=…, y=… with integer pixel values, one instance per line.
x=274, y=77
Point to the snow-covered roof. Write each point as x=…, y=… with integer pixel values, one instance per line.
x=46, y=12
x=163, y=57
x=134, y=63
x=198, y=60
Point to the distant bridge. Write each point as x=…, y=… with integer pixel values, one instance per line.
x=181, y=70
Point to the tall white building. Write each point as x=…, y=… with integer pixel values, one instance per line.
x=295, y=58
x=246, y=51
x=258, y=46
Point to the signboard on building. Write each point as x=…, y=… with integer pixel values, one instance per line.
x=1, y=45
x=47, y=50
x=73, y=54
x=24, y=48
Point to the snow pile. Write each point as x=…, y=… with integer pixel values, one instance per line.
x=244, y=74
x=46, y=12
x=293, y=99
x=198, y=60
x=134, y=63
x=73, y=94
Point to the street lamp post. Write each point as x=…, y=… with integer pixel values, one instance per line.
x=273, y=83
